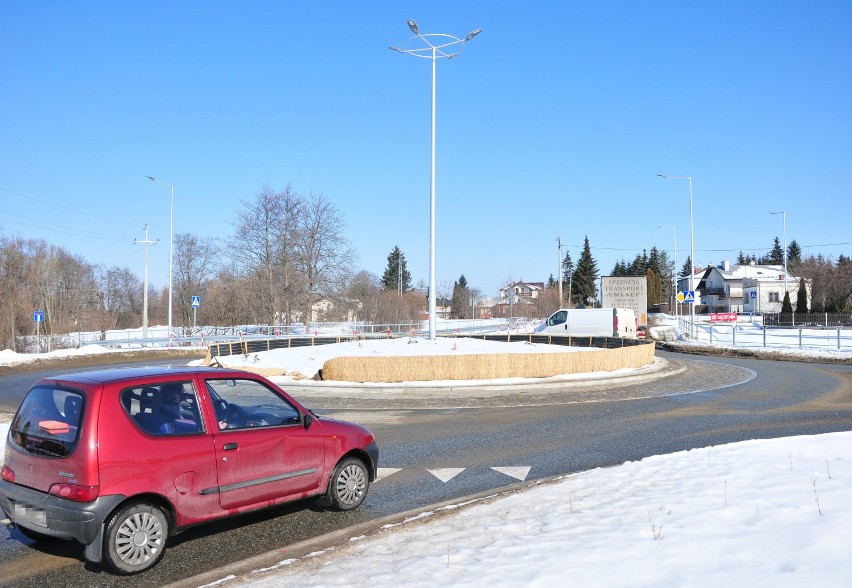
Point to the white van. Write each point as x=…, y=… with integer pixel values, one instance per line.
x=590, y=322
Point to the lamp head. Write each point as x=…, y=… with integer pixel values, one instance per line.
x=413, y=26
x=472, y=34
x=151, y=178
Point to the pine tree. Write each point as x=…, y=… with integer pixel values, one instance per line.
x=619, y=269
x=802, y=298
x=567, y=268
x=461, y=299
x=395, y=270
x=637, y=268
x=794, y=253
x=656, y=262
x=742, y=259
x=584, y=288
x=776, y=256
x=686, y=269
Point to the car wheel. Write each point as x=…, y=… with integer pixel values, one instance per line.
x=349, y=484
x=135, y=538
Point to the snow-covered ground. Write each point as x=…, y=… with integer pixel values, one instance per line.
x=757, y=513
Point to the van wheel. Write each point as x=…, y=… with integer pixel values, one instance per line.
x=135, y=538
x=349, y=483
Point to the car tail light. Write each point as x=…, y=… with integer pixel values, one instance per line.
x=8, y=474
x=75, y=492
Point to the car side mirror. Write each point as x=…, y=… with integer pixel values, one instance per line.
x=307, y=420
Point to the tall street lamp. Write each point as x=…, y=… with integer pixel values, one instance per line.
x=433, y=46
x=674, y=273
x=781, y=212
x=692, y=251
x=171, y=243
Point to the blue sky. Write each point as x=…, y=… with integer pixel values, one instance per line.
x=555, y=121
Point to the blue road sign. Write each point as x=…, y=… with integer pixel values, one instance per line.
x=196, y=301
x=689, y=296
x=38, y=316
x=752, y=295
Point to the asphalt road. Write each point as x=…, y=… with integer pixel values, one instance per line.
x=551, y=434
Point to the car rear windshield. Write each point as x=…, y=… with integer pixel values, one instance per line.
x=48, y=421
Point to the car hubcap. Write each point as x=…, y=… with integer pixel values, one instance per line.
x=351, y=484
x=139, y=538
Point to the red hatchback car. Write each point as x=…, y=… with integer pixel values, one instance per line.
x=120, y=460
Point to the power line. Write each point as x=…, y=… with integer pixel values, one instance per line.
x=44, y=225
x=112, y=220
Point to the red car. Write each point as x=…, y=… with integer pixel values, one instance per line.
x=120, y=460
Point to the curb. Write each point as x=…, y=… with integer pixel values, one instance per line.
x=473, y=388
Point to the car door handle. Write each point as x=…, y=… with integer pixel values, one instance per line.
x=230, y=446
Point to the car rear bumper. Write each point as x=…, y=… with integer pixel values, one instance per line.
x=54, y=516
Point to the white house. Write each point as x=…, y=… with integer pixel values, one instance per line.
x=745, y=288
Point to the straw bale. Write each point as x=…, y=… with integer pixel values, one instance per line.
x=483, y=366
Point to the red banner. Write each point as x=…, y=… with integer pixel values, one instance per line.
x=723, y=317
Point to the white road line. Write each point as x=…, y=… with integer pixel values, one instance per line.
x=385, y=472
x=446, y=474
x=519, y=473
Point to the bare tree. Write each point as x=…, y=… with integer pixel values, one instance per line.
x=322, y=254
x=227, y=295
x=263, y=245
x=195, y=264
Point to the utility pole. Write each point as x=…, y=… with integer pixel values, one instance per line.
x=559, y=270
x=146, y=242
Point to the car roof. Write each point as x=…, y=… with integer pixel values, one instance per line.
x=111, y=375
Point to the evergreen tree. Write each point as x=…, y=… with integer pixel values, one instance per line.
x=567, y=275
x=802, y=298
x=794, y=253
x=656, y=262
x=395, y=270
x=742, y=259
x=584, y=287
x=655, y=287
x=550, y=281
x=776, y=256
x=637, y=268
x=460, y=302
x=619, y=269
x=687, y=267
x=786, y=306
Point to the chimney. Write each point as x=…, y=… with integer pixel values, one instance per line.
x=726, y=265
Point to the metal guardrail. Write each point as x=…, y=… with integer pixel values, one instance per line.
x=247, y=346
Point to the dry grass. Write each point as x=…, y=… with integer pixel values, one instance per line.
x=483, y=366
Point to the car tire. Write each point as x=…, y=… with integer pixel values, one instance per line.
x=135, y=538
x=349, y=484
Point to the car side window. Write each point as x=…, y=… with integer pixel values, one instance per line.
x=246, y=404
x=169, y=408
x=558, y=318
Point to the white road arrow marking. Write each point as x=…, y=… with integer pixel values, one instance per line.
x=519, y=473
x=385, y=472
x=446, y=474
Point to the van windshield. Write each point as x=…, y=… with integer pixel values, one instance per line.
x=48, y=422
